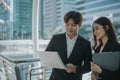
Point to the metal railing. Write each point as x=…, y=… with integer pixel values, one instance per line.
x=16, y=67
x=16, y=58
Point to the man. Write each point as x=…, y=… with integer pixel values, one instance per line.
x=73, y=49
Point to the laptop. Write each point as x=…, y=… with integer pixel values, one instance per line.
x=50, y=59
x=107, y=60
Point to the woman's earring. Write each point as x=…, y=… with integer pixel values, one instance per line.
x=107, y=27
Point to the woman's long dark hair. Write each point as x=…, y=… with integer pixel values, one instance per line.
x=108, y=27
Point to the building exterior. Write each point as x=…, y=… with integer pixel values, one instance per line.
x=54, y=12
x=5, y=20
x=53, y=15
x=22, y=16
x=96, y=8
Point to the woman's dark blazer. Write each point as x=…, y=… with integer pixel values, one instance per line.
x=80, y=56
x=111, y=46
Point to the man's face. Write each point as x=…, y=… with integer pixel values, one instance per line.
x=71, y=28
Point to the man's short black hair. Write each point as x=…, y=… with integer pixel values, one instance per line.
x=76, y=16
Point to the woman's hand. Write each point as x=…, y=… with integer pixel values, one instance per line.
x=93, y=77
x=95, y=67
x=70, y=68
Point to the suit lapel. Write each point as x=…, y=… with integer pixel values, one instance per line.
x=64, y=48
x=107, y=46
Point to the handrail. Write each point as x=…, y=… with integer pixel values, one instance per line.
x=32, y=69
x=6, y=57
x=12, y=63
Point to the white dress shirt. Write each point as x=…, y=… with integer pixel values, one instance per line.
x=70, y=44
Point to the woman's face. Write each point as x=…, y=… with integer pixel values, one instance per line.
x=71, y=28
x=99, y=31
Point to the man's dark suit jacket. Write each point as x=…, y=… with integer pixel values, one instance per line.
x=111, y=46
x=80, y=55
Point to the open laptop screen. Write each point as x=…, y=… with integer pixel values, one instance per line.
x=50, y=59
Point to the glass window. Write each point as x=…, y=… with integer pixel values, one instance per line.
x=15, y=19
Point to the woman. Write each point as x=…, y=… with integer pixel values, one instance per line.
x=104, y=41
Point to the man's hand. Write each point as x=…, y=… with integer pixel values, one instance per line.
x=70, y=68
